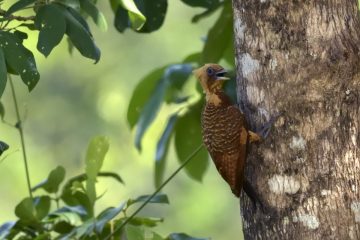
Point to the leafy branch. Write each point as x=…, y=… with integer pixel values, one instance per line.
x=75, y=219
x=74, y=216
x=191, y=156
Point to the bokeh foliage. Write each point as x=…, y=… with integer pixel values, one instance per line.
x=54, y=20
x=73, y=217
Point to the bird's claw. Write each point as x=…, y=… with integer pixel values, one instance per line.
x=265, y=129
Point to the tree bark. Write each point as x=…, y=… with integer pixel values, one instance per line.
x=302, y=58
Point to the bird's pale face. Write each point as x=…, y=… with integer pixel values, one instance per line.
x=211, y=77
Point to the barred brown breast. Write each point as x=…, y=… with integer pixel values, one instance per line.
x=223, y=127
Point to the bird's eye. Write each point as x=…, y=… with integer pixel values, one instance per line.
x=210, y=71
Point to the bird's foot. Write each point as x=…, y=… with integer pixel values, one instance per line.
x=264, y=130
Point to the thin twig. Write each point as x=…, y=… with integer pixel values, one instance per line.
x=21, y=132
x=156, y=192
x=13, y=17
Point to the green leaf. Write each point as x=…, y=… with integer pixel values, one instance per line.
x=229, y=54
x=63, y=227
x=79, y=34
x=126, y=16
x=114, y=4
x=113, y=175
x=30, y=26
x=42, y=206
x=173, y=78
x=18, y=6
x=158, y=198
x=20, y=35
x=5, y=229
x=94, y=13
x=78, y=210
x=162, y=149
x=193, y=58
x=3, y=74
x=176, y=76
x=122, y=20
x=84, y=230
x=51, y=23
x=3, y=147
x=52, y=183
x=206, y=13
x=202, y=3
x=142, y=93
x=134, y=233
x=19, y=59
x=148, y=222
x=65, y=218
x=83, y=177
x=71, y=218
x=157, y=236
x=137, y=19
x=150, y=111
x=25, y=211
x=73, y=196
x=119, y=234
x=32, y=212
x=219, y=36
x=2, y=111
x=187, y=139
x=210, y=5
x=76, y=14
x=183, y=236
x=43, y=236
x=73, y=4
x=106, y=216
x=154, y=11
x=95, y=155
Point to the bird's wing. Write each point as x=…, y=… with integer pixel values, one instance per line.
x=230, y=169
x=231, y=162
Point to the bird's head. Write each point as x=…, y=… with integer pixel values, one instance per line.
x=211, y=77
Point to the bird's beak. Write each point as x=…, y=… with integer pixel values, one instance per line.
x=221, y=75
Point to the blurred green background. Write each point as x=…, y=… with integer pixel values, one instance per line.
x=76, y=100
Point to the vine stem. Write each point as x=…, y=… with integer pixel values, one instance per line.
x=187, y=160
x=18, y=125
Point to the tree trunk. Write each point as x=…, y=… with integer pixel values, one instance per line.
x=302, y=58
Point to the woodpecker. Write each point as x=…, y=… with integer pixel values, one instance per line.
x=225, y=132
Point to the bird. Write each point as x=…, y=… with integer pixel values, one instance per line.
x=225, y=132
